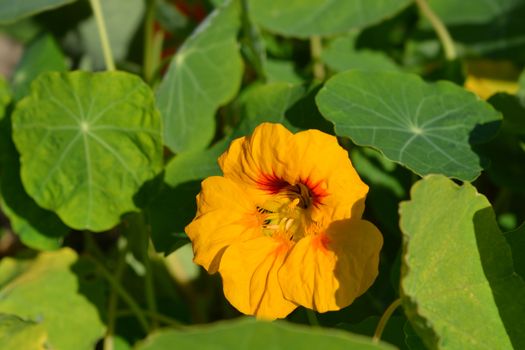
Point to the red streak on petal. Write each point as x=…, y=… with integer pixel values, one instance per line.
x=273, y=184
x=321, y=241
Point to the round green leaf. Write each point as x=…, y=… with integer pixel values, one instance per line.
x=303, y=18
x=205, y=73
x=54, y=290
x=459, y=286
x=429, y=128
x=87, y=143
x=256, y=335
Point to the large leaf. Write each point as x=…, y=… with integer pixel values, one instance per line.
x=429, y=128
x=303, y=18
x=41, y=55
x=87, y=142
x=56, y=290
x=203, y=75
x=256, y=335
x=37, y=228
x=13, y=10
x=16, y=333
x=459, y=287
x=123, y=19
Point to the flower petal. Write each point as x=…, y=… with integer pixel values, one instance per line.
x=249, y=273
x=328, y=271
x=225, y=215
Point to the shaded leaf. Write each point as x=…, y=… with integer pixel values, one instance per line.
x=428, y=128
x=52, y=291
x=254, y=335
x=203, y=75
x=75, y=129
x=456, y=258
x=516, y=240
x=12, y=11
x=393, y=332
x=303, y=18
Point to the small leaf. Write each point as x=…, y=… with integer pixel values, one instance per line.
x=5, y=97
x=203, y=75
x=12, y=11
x=41, y=55
x=303, y=18
x=51, y=290
x=428, y=128
x=458, y=285
x=340, y=55
x=248, y=334
x=16, y=333
x=87, y=142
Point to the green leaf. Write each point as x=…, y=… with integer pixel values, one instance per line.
x=516, y=240
x=257, y=335
x=304, y=18
x=429, y=128
x=340, y=55
x=282, y=71
x=36, y=227
x=459, y=287
x=12, y=11
x=123, y=18
x=393, y=332
x=507, y=171
x=204, y=74
x=175, y=206
x=56, y=290
x=88, y=142
x=16, y=333
x=41, y=55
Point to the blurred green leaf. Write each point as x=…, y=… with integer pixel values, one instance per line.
x=14, y=10
x=203, y=75
x=393, y=332
x=122, y=18
x=5, y=97
x=516, y=240
x=282, y=71
x=41, y=55
x=56, y=290
x=412, y=340
x=507, y=171
x=88, y=142
x=257, y=335
x=303, y=18
x=340, y=55
x=429, y=128
x=16, y=333
x=458, y=283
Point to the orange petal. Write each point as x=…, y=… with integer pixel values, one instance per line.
x=328, y=271
x=249, y=274
x=225, y=215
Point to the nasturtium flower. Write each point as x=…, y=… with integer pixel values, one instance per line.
x=283, y=224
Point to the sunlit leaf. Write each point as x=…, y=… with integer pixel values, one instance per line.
x=203, y=75
x=429, y=128
x=249, y=334
x=55, y=290
x=303, y=18
x=87, y=142
x=16, y=333
x=458, y=281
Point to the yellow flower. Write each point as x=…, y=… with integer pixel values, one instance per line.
x=283, y=225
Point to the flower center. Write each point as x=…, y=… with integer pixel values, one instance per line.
x=288, y=213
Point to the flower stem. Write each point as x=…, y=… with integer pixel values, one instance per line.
x=440, y=28
x=127, y=298
x=149, y=52
x=384, y=319
x=161, y=318
x=316, y=47
x=312, y=318
x=113, y=296
x=103, y=34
